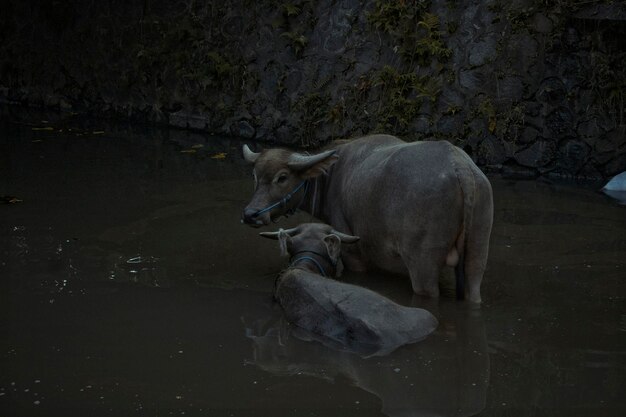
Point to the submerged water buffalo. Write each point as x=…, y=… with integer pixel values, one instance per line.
x=417, y=207
x=337, y=314
x=447, y=374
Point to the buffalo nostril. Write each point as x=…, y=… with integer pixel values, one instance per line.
x=249, y=216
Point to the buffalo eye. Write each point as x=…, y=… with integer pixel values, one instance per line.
x=282, y=178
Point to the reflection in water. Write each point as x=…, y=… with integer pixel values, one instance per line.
x=445, y=375
x=620, y=195
x=144, y=270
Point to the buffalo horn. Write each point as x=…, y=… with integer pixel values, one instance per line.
x=274, y=235
x=250, y=156
x=344, y=237
x=300, y=162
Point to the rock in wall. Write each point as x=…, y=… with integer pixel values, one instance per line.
x=528, y=87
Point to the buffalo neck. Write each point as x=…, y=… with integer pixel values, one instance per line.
x=315, y=199
x=313, y=261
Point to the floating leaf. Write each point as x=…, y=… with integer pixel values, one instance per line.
x=43, y=128
x=36, y=140
x=9, y=199
x=197, y=146
x=188, y=151
x=97, y=132
x=220, y=155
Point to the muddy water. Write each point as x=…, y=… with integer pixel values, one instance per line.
x=130, y=288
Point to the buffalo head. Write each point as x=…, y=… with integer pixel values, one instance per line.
x=315, y=240
x=281, y=181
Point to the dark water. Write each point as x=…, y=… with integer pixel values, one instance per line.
x=130, y=288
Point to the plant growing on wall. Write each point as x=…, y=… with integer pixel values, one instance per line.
x=418, y=79
x=608, y=81
x=314, y=110
x=402, y=95
x=416, y=31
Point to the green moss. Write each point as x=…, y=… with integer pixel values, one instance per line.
x=388, y=14
x=608, y=81
x=488, y=111
x=291, y=9
x=452, y=27
x=495, y=7
x=503, y=121
x=452, y=110
x=337, y=113
x=175, y=62
x=510, y=122
x=296, y=19
x=402, y=96
x=519, y=18
x=414, y=29
x=403, y=89
x=297, y=41
x=314, y=111
x=221, y=67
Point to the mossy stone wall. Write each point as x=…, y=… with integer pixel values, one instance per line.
x=527, y=87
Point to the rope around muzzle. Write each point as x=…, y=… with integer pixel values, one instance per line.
x=285, y=200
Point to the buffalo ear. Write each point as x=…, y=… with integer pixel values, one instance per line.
x=310, y=166
x=333, y=247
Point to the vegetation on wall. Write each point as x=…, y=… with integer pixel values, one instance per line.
x=302, y=72
x=608, y=81
x=406, y=86
x=314, y=111
x=402, y=97
x=180, y=73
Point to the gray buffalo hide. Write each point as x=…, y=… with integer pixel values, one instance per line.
x=349, y=317
x=445, y=375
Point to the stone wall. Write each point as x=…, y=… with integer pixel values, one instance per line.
x=528, y=87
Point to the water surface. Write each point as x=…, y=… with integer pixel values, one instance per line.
x=130, y=288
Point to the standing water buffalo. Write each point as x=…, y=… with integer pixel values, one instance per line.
x=417, y=207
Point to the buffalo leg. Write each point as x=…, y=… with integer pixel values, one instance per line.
x=424, y=267
x=477, y=242
x=353, y=263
